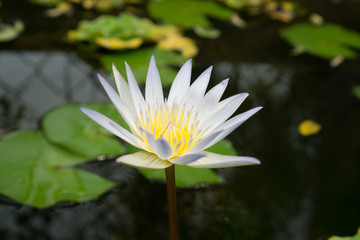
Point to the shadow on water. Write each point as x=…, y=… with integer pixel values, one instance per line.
x=305, y=188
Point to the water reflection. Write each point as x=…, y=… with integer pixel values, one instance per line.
x=32, y=82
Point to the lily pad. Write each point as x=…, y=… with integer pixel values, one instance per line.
x=37, y=173
x=188, y=13
x=187, y=176
x=355, y=237
x=326, y=41
x=70, y=128
x=10, y=32
x=356, y=91
x=138, y=60
x=125, y=27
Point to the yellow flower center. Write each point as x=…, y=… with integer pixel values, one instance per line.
x=178, y=126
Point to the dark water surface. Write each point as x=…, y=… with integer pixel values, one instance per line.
x=305, y=188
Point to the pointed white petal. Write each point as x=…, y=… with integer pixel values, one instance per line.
x=181, y=83
x=196, y=91
x=118, y=103
x=153, y=88
x=213, y=160
x=137, y=97
x=199, y=86
x=112, y=126
x=186, y=159
x=210, y=99
x=123, y=89
x=222, y=114
x=144, y=159
x=160, y=146
x=203, y=142
x=233, y=123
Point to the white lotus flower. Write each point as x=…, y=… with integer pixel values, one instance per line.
x=178, y=129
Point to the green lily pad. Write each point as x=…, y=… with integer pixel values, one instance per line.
x=10, y=32
x=138, y=60
x=70, y=128
x=355, y=237
x=356, y=91
x=187, y=176
x=188, y=13
x=37, y=173
x=326, y=41
x=126, y=26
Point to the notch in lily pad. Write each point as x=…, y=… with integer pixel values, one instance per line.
x=36, y=173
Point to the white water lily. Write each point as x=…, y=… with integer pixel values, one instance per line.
x=178, y=129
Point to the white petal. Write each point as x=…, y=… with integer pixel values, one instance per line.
x=186, y=159
x=112, y=126
x=213, y=160
x=118, y=103
x=136, y=94
x=233, y=123
x=199, y=86
x=223, y=113
x=163, y=149
x=196, y=91
x=123, y=89
x=144, y=159
x=160, y=147
x=203, y=142
x=181, y=83
x=211, y=98
x=153, y=88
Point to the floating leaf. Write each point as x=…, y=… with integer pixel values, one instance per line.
x=223, y=147
x=37, y=173
x=356, y=91
x=138, y=60
x=185, y=176
x=185, y=45
x=70, y=128
x=127, y=31
x=309, y=127
x=237, y=4
x=188, y=176
x=188, y=13
x=326, y=41
x=61, y=9
x=356, y=237
x=124, y=27
x=10, y=32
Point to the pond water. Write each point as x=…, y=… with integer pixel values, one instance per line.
x=305, y=188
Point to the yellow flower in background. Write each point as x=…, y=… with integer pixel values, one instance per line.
x=177, y=129
x=309, y=127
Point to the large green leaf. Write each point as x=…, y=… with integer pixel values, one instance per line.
x=187, y=176
x=138, y=60
x=70, y=128
x=188, y=13
x=326, y=41
x=37, y=173
x=355, y=237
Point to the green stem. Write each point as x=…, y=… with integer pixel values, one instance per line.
x=171, y=196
